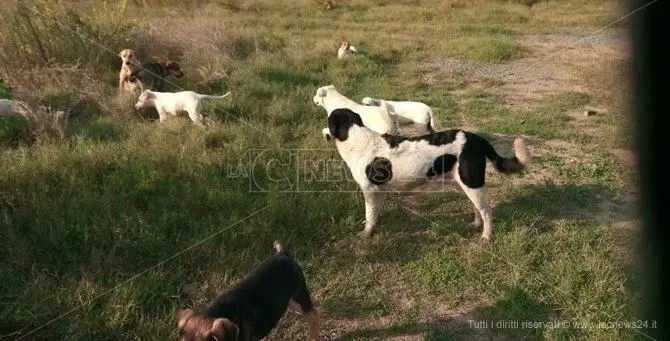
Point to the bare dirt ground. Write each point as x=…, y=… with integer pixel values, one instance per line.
x=552, y=63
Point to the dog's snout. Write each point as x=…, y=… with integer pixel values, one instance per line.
x=128, y=63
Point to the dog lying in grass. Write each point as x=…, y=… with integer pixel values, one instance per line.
x=250, y=310
x=378, y=118
x=381, y=163
x=407, y=112
x=175, y=103
x=345, y=49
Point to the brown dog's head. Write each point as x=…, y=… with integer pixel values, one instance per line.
x=344, y=45
x=128, y=57
x=196, y=327
x=173, y=68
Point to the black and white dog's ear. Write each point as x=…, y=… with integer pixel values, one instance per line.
x=340, y=121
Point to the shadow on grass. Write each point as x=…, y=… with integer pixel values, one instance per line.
x=503, y=320
x=286, y=77
x=552, y=202
x=385, y=58
x=101, y=131
x=431, y=331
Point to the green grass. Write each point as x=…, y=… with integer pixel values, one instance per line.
x=88, y=203
x=550, y=120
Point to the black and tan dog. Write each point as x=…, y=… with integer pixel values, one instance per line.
x=151, y=76
x=253, y=308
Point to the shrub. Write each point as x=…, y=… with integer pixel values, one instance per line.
x=10, y=128
x=499, y=50
x=5, y=91
x=49, y=32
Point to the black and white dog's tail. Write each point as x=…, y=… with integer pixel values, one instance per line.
x=512, y=164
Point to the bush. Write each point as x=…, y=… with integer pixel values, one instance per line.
x=49, y=32
x=10, y=128
x=499, y=50
x=5, y=91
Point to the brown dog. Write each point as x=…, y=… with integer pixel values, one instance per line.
x=129, y=65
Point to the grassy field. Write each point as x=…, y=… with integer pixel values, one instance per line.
x=96, y=203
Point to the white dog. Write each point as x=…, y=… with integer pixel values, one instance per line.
x=407, y=113
x=174, y=103
x=378, y=118
x=381, y=163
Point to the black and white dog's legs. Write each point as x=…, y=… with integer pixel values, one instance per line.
x=373, y=204
x=478, y=218
x=483, y=214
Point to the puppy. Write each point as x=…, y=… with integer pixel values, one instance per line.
x=174, y=103
x=129, y=65
x=250, y=310
x=152, y=76
x=345, y=49
x=381, y=163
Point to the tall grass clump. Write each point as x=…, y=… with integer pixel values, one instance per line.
x=50, y=34
x=499, y=50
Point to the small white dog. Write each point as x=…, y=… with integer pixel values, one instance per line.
x=407, y=112
x=174, y=103
x=345, y=49
x=378, y=118
x=383, y=163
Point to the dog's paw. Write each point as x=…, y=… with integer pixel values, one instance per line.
x=364, y=234
x=485, y=239
x=476, y=224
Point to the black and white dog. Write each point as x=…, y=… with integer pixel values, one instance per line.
x=250, y=310
x=383, y=163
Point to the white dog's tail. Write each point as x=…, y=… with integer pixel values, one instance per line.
x=388, y=117
x=209, y=96
x=512, y=164
x=385, y=107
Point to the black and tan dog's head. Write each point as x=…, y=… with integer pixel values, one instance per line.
x=196, y=327
x=339, y=123
x=172, y=68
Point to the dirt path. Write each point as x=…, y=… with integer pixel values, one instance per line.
x=553, y=63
